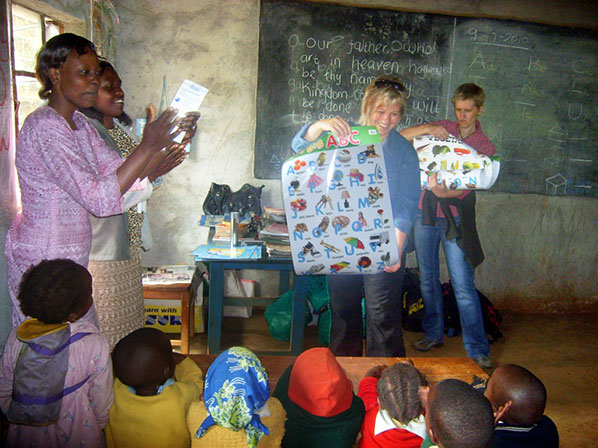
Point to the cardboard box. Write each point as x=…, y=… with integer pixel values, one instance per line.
x=166, y=314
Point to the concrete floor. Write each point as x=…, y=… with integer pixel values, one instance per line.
x=562, y=350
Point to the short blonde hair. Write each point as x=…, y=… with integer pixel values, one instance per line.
x=385, y=89
x=471, y=92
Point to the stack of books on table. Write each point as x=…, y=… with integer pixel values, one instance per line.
x=220, y=229
x=275, y=237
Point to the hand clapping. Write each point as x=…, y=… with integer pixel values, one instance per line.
x=158, y=132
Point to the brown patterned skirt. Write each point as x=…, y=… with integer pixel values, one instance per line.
x=118, y=296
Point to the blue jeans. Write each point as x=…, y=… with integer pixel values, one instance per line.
x=384, y=307
x=427, y=244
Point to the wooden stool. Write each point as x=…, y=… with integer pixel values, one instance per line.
x=184, y=293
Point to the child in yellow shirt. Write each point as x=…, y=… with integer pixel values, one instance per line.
x=153, y=389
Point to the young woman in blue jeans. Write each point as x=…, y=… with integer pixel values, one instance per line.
x=448, y=217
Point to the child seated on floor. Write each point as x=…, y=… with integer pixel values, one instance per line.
x=457, y=416
x=519, y=400
x=236, y=410
x=55, y=371
x=322, y=410
x=393, y=410
x=150, y=406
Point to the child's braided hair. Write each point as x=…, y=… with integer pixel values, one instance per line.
x=398, y=392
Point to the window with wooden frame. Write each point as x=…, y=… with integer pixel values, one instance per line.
x=30, y=30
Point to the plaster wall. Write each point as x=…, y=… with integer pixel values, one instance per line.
x=541, y=252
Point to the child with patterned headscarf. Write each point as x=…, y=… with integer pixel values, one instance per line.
x=393, y=411
x=237, y=410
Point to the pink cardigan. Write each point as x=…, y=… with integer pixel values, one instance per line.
x=64, y=175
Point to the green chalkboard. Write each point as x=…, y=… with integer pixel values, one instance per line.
x=541, y=83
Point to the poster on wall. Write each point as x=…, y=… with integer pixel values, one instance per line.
x=102, y=23
x=337, y=203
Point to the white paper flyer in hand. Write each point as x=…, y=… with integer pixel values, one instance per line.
x=188, y=99
x=457, y=164
x=337, y=204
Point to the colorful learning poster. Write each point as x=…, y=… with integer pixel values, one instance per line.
x=457, y=163
x=337, y=204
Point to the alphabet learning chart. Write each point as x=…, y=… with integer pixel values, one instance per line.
x=337, y=203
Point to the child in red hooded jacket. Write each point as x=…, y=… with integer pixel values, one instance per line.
x=322, y=410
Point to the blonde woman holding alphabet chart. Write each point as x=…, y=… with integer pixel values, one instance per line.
x=383, y=106
x=448, y=216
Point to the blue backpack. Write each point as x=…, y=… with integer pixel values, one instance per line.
x=38, y=383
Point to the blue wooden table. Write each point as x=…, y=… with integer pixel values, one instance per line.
x=217, y=299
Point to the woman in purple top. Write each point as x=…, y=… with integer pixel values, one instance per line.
x=448, y=216
x=66, y=172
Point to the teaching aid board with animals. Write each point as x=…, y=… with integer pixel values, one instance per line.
x=459, y=165
x=337, y=202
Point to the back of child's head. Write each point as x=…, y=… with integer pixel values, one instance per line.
x=398, y=392
x=459, y=416
x=143, y=360
x=236, y=389
x=520, y=386
x=318, y=383
x=55, y=291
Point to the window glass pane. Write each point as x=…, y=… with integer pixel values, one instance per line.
x=29, y=99
x=52, y=29
x=27, y=32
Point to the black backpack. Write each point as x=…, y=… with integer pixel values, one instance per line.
x=492, y=319
x=413, y=304
x=450, y=309
x=452, y=324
